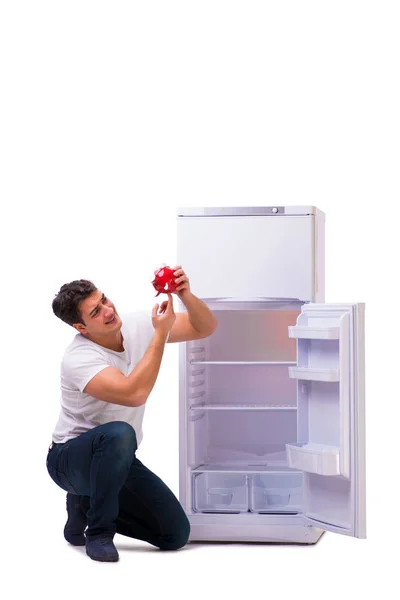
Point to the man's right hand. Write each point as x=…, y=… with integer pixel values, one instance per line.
x=163, y=321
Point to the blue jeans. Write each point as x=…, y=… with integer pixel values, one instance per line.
x=116, y=490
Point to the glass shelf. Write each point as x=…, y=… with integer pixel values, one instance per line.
x=239, y=362
x=242, y=407
x=268, y=467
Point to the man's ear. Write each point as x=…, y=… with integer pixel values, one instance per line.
x=80, y=328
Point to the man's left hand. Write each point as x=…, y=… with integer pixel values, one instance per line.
x=182, y=282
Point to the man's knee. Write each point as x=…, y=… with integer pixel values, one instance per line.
x=121, y=435
x=178, y=539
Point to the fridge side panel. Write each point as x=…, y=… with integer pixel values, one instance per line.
x=183, y=454
x=319, y=295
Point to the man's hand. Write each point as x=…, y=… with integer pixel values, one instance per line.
x=182, y=281
x=163, y=317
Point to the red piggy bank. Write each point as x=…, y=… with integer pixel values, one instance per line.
x=164, y=280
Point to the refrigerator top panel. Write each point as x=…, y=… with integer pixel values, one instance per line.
x=225, y=211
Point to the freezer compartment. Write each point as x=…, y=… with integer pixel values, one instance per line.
x=276, y=492
x=314, y=458
x=220, y=492
x=275, y=256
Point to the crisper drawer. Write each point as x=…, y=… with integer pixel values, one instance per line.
x=220, y=492
x=276, y=492
x=254, y=492
x=249, y=256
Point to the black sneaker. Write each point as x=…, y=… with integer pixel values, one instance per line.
x=76, y=523
x=102, y=549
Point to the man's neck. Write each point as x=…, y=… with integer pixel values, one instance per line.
x=115, y=342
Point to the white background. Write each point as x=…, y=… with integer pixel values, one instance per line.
x=113, y=114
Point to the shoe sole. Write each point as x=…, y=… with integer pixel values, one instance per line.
x=115, y=559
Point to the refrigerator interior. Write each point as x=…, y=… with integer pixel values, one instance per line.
x=242, y=411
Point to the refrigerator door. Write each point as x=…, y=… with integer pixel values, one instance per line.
x=331, y=415
x=252, y=256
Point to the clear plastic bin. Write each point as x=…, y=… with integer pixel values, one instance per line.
x=314, y=333
x=314, y=374
x=313, y=458
x=220, y=492
x=276, y=492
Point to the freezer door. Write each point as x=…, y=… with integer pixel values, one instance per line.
x=252, y=257
x=331, y=415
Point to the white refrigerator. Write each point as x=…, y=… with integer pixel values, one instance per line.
x=272, y=404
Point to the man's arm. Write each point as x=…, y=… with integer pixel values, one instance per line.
x=197, y=323
x=110, y=385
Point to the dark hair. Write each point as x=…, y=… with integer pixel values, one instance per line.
x=66, y=303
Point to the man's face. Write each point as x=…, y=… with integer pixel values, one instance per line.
x=99, y=315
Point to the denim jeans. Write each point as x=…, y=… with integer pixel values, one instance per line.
x=116, y=490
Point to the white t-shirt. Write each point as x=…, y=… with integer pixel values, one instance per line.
x=82, y=360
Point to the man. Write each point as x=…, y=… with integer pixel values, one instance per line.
x=107, y=374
